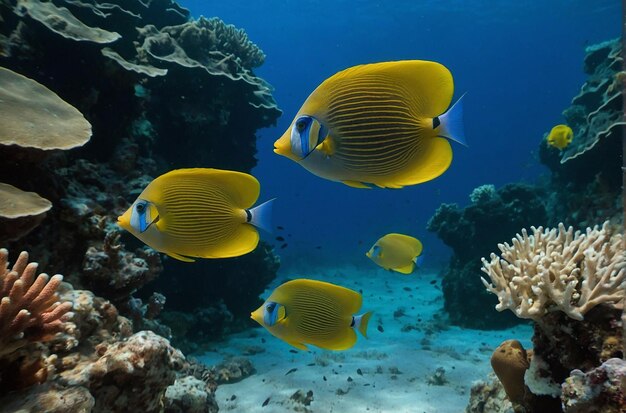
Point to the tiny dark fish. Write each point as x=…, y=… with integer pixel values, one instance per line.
x=324, y=377
x=280, y=239
x=319, y=247
x=266, y=402
x=262, y=340
x=407, y=288
x=311, y=364
x=280, y=228
x=282, y=247
x=381, y=329
x=349, y=379
x=233, y=397
x=433, y=281
x=359, y=372
x=367, y=384
x=291, y=371
x=293, y=351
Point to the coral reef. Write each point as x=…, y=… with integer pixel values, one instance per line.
x=130, y=74
x=141, y=72
x=470, y=232
x=571, y=284
x=585, y=184
x=584, y=188
x=98, y=365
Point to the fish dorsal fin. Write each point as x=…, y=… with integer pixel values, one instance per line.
x=243, y=188
x=429, y=85
x=350, y=301
x=413, y=243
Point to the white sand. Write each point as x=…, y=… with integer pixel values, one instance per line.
x=395, y=366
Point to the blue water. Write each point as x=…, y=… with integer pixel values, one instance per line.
x=520, y=63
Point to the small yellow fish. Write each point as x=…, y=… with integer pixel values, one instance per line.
x=396, y=252
x=560, y=136
x=381, y=124
x=302, y=312
x=199, y=213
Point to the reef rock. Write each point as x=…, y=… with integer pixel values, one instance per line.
x=471, y=232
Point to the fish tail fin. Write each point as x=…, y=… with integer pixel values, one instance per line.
x=452, y=123
x=419, y=261
x=361, y=322
x=261, y=215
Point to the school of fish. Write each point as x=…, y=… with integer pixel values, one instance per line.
x=385, y=125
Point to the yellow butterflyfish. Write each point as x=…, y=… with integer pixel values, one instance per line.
x=396, y=252
x=318, y=313
x=199, y=213
x=382, y=124
x=560, y=136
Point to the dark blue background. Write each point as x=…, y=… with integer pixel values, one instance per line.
x=520, y=63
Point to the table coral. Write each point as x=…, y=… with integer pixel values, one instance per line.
x=30, y=309
x=558, y=269
x=31, y=115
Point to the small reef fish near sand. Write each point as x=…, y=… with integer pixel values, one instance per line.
x=199, y=213
x=381, y=124
x=560, y=136
x=318, y=313
x=396, y=252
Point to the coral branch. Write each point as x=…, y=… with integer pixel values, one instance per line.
x=558, y=269
x=29, y=307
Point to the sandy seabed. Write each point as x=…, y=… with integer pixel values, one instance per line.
x=397, y=369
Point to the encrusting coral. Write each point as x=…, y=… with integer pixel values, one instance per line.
x=558, y=269
x=30, y=309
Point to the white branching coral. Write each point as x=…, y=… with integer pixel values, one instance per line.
x=558, y=270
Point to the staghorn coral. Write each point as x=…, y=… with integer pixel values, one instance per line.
x=558, y=269
x=30, y=309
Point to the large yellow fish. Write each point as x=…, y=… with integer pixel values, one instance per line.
x=396, y=252
x=560, y=136
x=302, y=312
x=199, y=212
x=382, y=124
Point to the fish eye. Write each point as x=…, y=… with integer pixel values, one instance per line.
x=270, y=307
x=141, y=208
x=301, y=126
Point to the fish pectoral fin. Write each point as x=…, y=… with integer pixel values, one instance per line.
x=357, y=184
x=297, y=345
x=407, y=269
x=327, y=147
x=180, y=257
